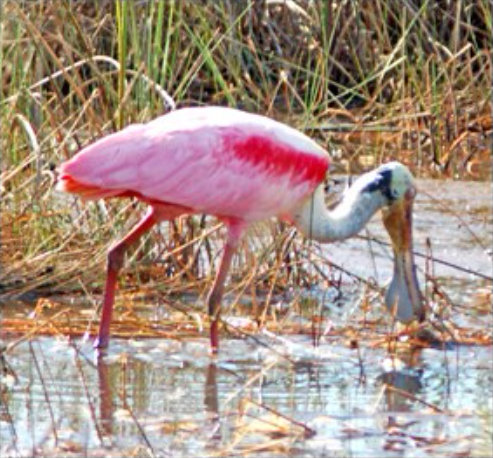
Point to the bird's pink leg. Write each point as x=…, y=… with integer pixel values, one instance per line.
x=115, y=261
x=235, y=230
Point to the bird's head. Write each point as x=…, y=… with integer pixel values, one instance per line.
x=394, y=181
x=396, y=184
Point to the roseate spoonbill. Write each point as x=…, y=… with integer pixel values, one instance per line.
x=242, y=168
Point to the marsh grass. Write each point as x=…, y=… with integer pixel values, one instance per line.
x=377, y=80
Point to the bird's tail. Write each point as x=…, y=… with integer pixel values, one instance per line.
x=67, y=183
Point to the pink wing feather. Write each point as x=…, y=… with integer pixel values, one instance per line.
x=212, y=160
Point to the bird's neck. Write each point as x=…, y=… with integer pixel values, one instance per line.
x=317, y=222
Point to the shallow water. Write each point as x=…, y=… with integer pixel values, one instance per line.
x=169, y=399
x=278, y=395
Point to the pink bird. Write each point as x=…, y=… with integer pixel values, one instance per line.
x=242, y=168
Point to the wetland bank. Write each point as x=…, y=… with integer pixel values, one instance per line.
x=309, y=363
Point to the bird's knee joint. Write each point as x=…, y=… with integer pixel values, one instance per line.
x=212, y=303
x=115, y=257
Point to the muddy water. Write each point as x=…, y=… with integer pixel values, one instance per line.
x=281, y=395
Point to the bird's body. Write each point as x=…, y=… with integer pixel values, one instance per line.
x=241, y=168
x=216, y=161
